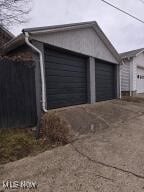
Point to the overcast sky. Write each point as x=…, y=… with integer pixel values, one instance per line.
x=124, y=32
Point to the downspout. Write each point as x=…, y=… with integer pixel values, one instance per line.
x=44, y=106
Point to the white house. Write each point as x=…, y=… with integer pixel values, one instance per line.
x=132, y=72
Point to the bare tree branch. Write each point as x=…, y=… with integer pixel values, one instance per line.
x=14, y=12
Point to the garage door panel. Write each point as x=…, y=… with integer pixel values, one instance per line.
x=71, y=91
x=104, y=93
x=62, y=100
x=66, y=79
x=105, y=84
x=66, y=96
x=62, y=55
x=103, y=70
x=108, y=74
x=101, y=82
x=66, y=85
x=65, y=73
x=57, y=79
x=104, y=98
x=63, y=86
x=66, y=89
x=62, y=68
x=103, y=67
x=105, y=81
x=65, y=61
x=64, y=103
x=105, y=89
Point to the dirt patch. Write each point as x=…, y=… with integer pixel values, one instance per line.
x=135, y=99
x=108, y=162
x=87, y=119
x=63, y=126
x=16, y=144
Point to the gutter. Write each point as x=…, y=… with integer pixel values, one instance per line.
x=44, y=105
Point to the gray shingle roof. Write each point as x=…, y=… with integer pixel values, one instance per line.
x=132, y=53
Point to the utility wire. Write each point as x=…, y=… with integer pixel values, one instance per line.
x=123, y=11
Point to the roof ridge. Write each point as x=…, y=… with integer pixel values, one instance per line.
x=132, y=50
x=131, y=53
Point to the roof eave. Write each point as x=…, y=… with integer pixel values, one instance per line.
x=7, y=32
x=13, y=44
x=78, y=26
x=100, y=33
x=58, y=27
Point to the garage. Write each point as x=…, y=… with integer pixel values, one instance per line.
x=74, y=64
x=140, y=80
x=105, y=81
x=66, y=78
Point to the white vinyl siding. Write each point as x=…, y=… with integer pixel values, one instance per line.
x=125, y=76
x=129, y=72
x=134, y=88
x=85, y=41
x=138, y=61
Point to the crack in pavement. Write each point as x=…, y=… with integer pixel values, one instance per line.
x=114, y=125
x=107, y=165
x=98, y=116
x=106, y=178
x=138, y=114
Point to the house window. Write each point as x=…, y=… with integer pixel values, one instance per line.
x=140, y=76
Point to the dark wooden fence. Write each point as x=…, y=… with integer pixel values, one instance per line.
x=17, y=94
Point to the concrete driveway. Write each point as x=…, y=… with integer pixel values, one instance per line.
x=109, y=160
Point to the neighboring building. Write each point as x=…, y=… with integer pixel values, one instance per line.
x=132, y=72
x=5, y=36
x=80, y=64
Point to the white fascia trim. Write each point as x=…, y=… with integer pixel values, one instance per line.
x=59, y=29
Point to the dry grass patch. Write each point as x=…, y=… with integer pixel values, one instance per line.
x=133, y=99
x=16, y=144
x=56, y=129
